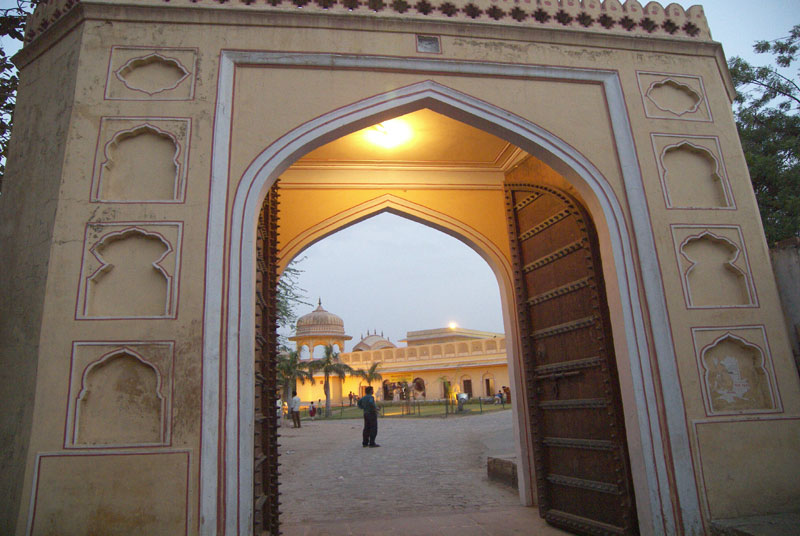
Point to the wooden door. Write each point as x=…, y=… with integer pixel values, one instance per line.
x=582, y=467
x=265, y=479
x=468, y=387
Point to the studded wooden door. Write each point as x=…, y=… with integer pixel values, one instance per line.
x=582, y=467
x=265, y=479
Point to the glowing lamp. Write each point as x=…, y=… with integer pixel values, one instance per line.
x=388, y=134
x=452, y=325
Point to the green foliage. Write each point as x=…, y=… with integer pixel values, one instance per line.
x=290, y=369
x=330, y=365
x=12, y=25
x=290, y=295
x=371, y=374
x=767, y=111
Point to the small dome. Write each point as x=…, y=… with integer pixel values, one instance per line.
x=373, y=342
x=319, y=323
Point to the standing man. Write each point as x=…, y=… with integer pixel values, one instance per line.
x=295, y=409
x=367, y=403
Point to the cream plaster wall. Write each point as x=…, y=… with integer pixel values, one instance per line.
x=58, y=145
x=28, y=208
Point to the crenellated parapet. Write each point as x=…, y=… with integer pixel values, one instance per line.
x=609, y=16
x=464, y=353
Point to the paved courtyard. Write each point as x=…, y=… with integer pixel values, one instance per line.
x=428, y=478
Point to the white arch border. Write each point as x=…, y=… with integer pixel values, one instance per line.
x=236, y=445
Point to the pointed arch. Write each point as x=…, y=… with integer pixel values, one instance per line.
x=134, y=419
x=740, y=381
x=237, y=229
x=399, y=207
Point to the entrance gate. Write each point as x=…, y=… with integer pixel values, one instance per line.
x=582, y=468
x=655, y=506
x=604, y=96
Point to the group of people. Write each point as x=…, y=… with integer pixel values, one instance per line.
x=366, y=403
x=294, y=410
x=503, y=396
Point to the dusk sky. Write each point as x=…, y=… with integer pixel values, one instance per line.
x=395, y=275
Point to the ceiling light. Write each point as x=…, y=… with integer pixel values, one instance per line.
x=388, y=134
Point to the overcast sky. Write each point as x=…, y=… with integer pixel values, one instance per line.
x=395, y=275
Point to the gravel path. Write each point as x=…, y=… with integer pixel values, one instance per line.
x=424, y=466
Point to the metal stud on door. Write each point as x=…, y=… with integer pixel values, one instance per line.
x=265, y=480
x=582, y=468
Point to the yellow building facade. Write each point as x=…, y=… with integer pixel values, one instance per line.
x=435, y=364
x=586, y=150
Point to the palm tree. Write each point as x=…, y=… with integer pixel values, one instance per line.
x=330, y=365
x=290, y=369
x=370, y=375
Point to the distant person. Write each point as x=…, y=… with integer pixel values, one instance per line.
x=312, y=411
x=294, y=407
x=351, y=396
x=498, y=398
x=367, y=403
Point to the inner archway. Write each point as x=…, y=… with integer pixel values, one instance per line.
x=319, y=461
x=615, y=240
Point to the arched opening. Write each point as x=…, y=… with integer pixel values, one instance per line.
x=617, y=263
x=543, y=217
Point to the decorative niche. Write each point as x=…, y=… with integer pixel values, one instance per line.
x=142, y=73
x=692, y=172
x=152, y=74
x=713, y=265
x=130, y=270
x=735, y=369
x=141, y=160
x=673, y=96
x=120, y=394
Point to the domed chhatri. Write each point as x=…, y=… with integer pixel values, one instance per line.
x=373, y=341
x=320, y=328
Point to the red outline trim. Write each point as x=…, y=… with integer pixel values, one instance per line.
x=181, y=158
x=173, y=297
x=39, y=456
x=671, y=76
x=113, y=54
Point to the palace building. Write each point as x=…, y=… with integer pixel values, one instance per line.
x=433, y=363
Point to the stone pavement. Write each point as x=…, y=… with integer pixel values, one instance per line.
x=428, y=478
x=782, y=524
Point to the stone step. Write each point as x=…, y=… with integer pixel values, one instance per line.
x=502, y=469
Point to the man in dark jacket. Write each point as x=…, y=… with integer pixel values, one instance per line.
x=367, y=403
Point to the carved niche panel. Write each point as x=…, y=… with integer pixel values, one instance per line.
x=130, y=270
x=120, y=394
x=735, y=369
x=111, y=493
x=142, y=73
x=673, y=96
x=692, y=172
x=141, y=160
x=713, y=266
